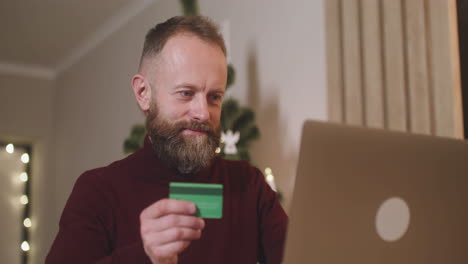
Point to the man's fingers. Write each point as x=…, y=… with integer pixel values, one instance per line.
x=170, y=242
x=169, y=251
x=175, y=247
x=168, y=206
x=178, y=234
x=173, y=220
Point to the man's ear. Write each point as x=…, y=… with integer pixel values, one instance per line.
x=142, y=92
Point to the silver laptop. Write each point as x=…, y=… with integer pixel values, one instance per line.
x=373, y=196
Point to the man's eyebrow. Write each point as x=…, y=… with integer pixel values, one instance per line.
x=220, y=90
x=185, y=85
x=194, y=87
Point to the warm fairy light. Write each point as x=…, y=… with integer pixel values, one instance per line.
x=10, y=148
x=25, y=158
x=24, y=199
x=25, y=246
x=27, y=223
x=23, y=177
x=270, y=178
x=218, y=150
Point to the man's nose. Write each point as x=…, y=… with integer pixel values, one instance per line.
x=200, y=110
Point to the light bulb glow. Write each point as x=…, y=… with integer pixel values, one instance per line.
x=270, y=178
x=24, y=199
x=25, y=158
x=23, y=177
x=27, y=223
x=218, y=150
x=25, y=246
x=10, y=148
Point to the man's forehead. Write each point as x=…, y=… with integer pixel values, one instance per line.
x=186, y=42
x=179, y=46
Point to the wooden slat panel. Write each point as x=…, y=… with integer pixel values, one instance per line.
x=445, y=68
x=372, y=63
x=456, y=70
x=418, y=79
x=394, y=66
x=334, y=61
x=352, y=62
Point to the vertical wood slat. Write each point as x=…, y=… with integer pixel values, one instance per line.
x=394, y=65
x=334, y=60
x=352, y=63
x=456, y=71
x=417, y=67
x=445, y=66
x=372, y=63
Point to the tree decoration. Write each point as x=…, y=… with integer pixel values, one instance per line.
x=230, y=140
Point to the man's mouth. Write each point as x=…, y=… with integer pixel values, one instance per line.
x=188, y=131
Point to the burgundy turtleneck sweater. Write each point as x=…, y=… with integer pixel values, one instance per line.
x=100, y=222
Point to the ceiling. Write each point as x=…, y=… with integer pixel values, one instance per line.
x=49, y=35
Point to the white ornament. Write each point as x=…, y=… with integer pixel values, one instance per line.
x=230, y=140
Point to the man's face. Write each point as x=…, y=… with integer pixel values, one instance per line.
x=187, y=86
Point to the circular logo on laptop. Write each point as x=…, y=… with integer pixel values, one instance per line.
x=392, y=220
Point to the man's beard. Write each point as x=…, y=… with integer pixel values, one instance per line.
x=186, y=153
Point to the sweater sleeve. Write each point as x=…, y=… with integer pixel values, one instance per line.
x=85, y=229
x=272, y=223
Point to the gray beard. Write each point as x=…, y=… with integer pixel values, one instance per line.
x=186, y=153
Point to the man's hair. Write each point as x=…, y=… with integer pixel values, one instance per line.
x=199, y=26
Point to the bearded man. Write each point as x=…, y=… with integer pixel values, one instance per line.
x=121, y=213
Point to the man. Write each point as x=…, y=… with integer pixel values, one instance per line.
x=121, y=213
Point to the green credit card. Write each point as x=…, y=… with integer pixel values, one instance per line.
x=207, y=197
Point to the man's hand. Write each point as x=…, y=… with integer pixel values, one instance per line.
x=167, y=227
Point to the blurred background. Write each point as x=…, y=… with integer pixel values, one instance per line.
x=66, y=66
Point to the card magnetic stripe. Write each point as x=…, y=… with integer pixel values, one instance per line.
x=196, y=191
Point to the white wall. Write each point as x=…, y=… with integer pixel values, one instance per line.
x=26, y=116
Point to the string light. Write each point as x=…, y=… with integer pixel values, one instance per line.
x=24, y=199
x=218, y=150
x=10, y=148
x=27, y=222
x=270, y=178
x=25, y=246
x=23, y=177
x=25, y=158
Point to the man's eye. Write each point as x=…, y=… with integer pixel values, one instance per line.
x=186, y=93
x=216, y=97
